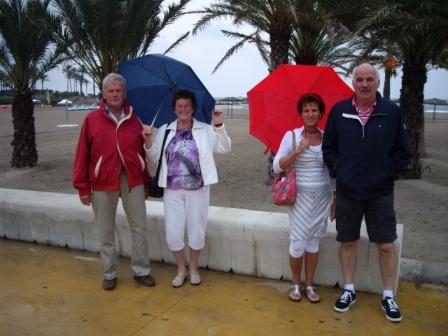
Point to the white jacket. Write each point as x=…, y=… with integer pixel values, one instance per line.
x=208, y=139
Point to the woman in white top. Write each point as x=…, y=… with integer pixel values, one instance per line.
x=187, y=171
x=309, y=215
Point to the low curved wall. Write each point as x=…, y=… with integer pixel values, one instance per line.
x=243, y=241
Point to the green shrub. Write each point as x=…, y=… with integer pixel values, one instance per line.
x=5, y=100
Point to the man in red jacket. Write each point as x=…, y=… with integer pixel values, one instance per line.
x=109, y=164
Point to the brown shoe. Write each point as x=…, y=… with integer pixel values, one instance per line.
x=109, y=284
x=146, y=280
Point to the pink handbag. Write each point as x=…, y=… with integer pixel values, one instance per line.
x=284, y=188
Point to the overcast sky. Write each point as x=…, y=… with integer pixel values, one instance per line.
x=243, y=70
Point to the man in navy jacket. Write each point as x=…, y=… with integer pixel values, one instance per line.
x=365, y=147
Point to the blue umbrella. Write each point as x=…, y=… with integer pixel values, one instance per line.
x=152, y=81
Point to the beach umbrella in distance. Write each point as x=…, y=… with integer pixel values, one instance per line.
x=64, y=102
x=152, y=81
x=273, y=101
x=435, y=101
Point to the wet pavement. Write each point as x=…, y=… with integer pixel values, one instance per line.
x=55, y=291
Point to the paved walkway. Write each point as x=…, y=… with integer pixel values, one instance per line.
x=55, y=291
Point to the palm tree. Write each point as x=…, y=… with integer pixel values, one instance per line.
x=267, y=17
x=43, y=78
x=27, y=53
x=67, y=69
x=419, y=30
x=108, y=32
x=83, y=70
x=390, y=64
x=319, y=38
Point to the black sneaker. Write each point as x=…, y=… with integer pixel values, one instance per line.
x=345, y=301
x=391, y=309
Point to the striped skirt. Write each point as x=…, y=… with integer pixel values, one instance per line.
x=308, y=217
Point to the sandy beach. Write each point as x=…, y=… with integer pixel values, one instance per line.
x=422, y=205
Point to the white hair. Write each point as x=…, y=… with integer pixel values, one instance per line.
x=114, y=77
x=377, y=74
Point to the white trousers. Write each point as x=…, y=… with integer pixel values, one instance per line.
x=104, y=205
x=298, y=247
x=186, y=208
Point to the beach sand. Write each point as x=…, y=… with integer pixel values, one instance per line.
x=422, y=205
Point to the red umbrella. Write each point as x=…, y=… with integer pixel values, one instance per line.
x=272, y=102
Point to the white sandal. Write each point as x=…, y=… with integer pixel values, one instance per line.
x=311, y=295
x=294, y=294
x=195, y=279
x=179, y=280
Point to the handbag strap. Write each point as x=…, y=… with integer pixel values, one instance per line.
x=294, y=144
x=167, y=131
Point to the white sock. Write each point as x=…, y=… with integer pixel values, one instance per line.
x=350, y=287
x=388, y=293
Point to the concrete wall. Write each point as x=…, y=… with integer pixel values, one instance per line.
x=243, y=241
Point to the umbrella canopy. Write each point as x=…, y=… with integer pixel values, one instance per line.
x=272, y=102
x=152, y=81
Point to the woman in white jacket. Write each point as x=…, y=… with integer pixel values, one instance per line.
x=187, y=170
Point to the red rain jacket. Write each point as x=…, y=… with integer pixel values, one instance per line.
x=105, y=148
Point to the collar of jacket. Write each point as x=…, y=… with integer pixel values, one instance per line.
x=126, y=107
x=196, y=124
x=379, y=101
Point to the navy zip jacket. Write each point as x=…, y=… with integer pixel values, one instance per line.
x=365, y=160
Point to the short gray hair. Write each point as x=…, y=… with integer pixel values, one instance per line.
x=115, y=77
x=377, y=73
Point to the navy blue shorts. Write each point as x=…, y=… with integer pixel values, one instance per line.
x=379, y=214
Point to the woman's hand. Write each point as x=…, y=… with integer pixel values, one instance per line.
x=147, y=135
x=288, y=160
x=304, y=144
x=218, y=117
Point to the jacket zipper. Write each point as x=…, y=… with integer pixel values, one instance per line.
x=118, y=145
x=355, y=117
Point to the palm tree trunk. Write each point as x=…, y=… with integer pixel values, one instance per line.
x=411, y=103
x=386, y=89
x=279, y=43
x=24, y=153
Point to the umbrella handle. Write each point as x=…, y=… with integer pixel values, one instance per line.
x=171, y=88
x=159, y=109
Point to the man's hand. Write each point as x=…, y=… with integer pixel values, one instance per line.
x=86, y=199
x=333, y=209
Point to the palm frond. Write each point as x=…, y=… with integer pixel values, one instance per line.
x=176, y=43
x=232, y=50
